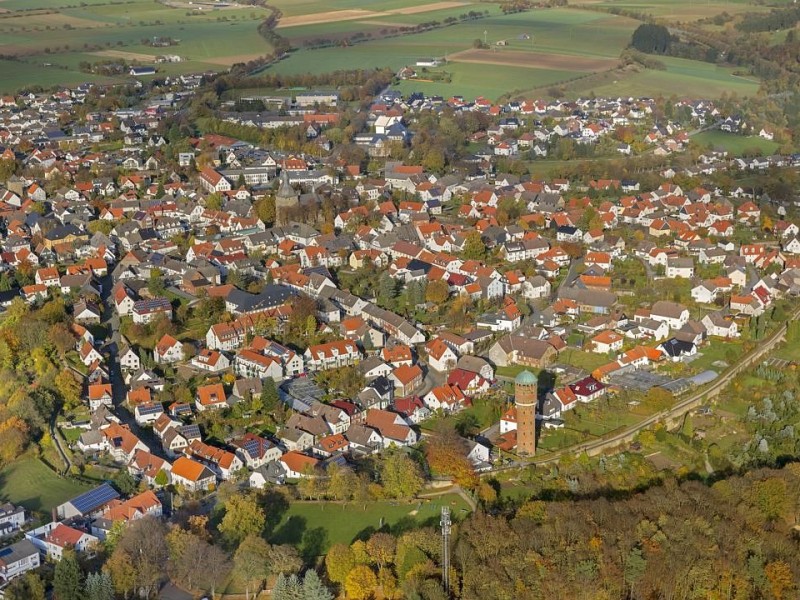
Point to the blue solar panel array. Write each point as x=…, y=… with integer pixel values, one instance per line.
x=150, y=409
x=252, y=448
x=93, y=499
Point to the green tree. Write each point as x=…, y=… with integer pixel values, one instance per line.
x=125, y=483
x=68, y=578
x=243, y=517
x=269, y=396
x=313, y=588
x=401, y=476
x=155, y=283
x=287, y=587
x=387, y=290
x=99, y=587
x=214, y=201
x=251, y=562
x=474, y=248
x=161, y=478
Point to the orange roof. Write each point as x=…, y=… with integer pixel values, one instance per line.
x=188, y=469
x=296, y=461
x=405, y=374
x=211, y=394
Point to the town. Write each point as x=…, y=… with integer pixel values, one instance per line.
x=217, y=313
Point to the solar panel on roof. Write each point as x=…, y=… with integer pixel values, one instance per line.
x=93, y=499
x=251, y=447
x=150, y=409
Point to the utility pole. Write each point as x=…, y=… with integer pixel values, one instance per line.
x=445, y=522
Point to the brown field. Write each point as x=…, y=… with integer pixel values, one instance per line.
x=121, y=54
x=423, y=8
x=327, y=17
x=533, y=60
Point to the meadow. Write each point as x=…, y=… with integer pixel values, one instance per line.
x=332, y=523
x=29, y=482
x=735, y=145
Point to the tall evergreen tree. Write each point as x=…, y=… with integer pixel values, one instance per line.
x=99, y=587
x=313, y=588
x=68, y=578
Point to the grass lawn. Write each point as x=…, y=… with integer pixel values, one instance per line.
x=29, y=482
x=588, y=361
x=71, y=435
x=736, y=145
x=724, y=350
x=315, y=526
x=512, y=371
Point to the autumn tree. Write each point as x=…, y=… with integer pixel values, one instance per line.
x=339, y=561
x=780, y=578
x=144, y=543
x=243, y=517
x=446, y=454
x=437, y=292
x=360, y=583
x=28, y=587
x=251, y=562
x=69, y=388
x=381, y=549
x=120, y=568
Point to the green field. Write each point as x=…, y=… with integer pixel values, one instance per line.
x=329, y=523
x=735, y=145
x=29, y=482
x=681, y=10
x=682, y=78
x=50, y=45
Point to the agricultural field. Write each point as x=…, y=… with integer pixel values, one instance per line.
x=678, y=10
x=51, y=42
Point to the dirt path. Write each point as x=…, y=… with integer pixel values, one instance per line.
x=533, y=60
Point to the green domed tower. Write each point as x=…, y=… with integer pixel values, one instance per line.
x=526, y=396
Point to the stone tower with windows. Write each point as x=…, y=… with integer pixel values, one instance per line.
x=286, y=200
x=526, y=397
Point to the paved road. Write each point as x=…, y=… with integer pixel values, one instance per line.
x=118, y=387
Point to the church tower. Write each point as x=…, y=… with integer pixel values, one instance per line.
x=286, y=200
x=526, y=397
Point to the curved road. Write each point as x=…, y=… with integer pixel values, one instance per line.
x=598, y=446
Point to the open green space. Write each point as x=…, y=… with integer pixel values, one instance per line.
x=682, y=78
x=736, y=145
x=51, y=44
x=681, y=10
x=29, y=482
x=326, y=523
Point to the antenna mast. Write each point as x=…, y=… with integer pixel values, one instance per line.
x=445, y=522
